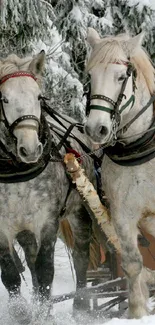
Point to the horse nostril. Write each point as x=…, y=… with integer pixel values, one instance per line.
x=39, y=149
x=23, y=152
x=103, y=130
x=87, y=130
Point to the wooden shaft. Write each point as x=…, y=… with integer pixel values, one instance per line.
x=90, y=196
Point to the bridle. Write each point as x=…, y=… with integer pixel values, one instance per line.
x=15, y=170
x=115, y=110
x=15, y=124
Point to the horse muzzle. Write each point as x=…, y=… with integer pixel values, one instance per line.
x=97, y=134
x=29, y=154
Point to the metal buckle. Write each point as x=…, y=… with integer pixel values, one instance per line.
x=114, y=130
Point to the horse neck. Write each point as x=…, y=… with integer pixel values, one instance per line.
x=143, y=122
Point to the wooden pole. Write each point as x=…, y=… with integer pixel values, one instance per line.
x=90, y=196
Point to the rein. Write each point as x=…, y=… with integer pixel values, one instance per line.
x=50, y=111
x=126, y=127
x=88, y=153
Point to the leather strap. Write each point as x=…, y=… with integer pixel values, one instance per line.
x=17, y=74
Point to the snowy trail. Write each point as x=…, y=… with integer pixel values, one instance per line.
x=63, y=283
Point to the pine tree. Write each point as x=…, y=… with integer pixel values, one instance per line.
x=60, y=27
x=72, y=20
x=133, y=19
x=22, y=22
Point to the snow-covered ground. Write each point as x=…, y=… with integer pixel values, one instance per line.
x=63, y=283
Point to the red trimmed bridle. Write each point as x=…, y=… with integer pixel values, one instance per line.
x=17, y=74
x=5, y=100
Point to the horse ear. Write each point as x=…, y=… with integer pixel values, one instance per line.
x=37, y=64
x=135, y=43
x=92, y=37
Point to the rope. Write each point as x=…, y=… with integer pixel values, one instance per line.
x=54, y=159
x=101, y=148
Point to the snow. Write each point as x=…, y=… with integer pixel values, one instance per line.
x=147, y=320
x=140, y=4
x=63, y=283
x=152, y=4
x=76, y=14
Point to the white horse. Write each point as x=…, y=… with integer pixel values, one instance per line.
x=30, y=207
x=121, y=110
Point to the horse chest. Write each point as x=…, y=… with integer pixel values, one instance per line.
x=20, y=198
x=31, y=205
x=129, y=189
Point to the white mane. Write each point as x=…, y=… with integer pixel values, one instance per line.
x=112, y=48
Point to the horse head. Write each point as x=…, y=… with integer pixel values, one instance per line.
x=116, y=65
x=20, y=109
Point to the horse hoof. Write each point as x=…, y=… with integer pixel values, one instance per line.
x=81, y=317
x=81, y=304
x=19, y=310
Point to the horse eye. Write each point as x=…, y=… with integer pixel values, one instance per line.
x=5, y=100
x=41, y=97
x=122, y=77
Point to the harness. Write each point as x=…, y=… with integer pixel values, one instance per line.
x=135, y=153
x=12, y=170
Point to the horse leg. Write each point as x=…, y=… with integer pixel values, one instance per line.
x=18, y=308
x=44, y=265
x=27, y=241
x=148, y=223
x=132, y=265
x=9, y=272
x=81, y=226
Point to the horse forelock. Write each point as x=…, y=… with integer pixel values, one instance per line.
x=104, y=52
x=13, y=63
x=115, y=48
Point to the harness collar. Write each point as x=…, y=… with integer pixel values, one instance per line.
x=134, y=153
x=17, y=74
